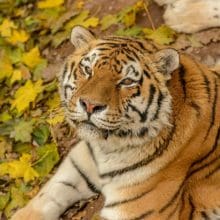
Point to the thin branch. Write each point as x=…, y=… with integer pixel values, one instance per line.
x=149, y=15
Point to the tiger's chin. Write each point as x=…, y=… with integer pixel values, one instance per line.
x=88, y=131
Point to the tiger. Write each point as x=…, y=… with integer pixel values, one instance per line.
x=148, y=119
x=189, y=16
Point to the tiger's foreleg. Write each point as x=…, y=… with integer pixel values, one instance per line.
x=76, y=179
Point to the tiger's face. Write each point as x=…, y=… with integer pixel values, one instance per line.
x=116, y=88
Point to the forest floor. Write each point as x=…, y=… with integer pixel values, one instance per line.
x=204, y=45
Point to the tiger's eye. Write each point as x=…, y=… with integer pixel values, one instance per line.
x=127, y=82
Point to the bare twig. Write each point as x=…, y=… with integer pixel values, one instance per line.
x=149, y=15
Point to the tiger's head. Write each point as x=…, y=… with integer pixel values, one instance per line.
x=116, y=87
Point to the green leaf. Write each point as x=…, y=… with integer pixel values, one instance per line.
x=134, y=31
x=83, y=20
x=5, y=116
x=77, y=20
x=22, y=131
x=22, y=148
x=15, y=54
x=4, y=198
x=41, y=134
x=48, y=157
x=59, y=38
x=37, y=73
x=162, y=35
x=107, y=21
x=17, y=200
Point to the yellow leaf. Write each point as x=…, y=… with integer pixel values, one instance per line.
x=129, y=18
x=50, y=3
x=6, y=27
x=83, y=20
x=19, y=168
x=139, y=5
x=79, y=4
x=18, y=37
x=54, y=102
x=162, y=35
x=26, y=94
x=6, y=68
x=32, y=58
x=16, y=76
x=5, y=116
x=57, y=118
x=108, y=20
x=77, y=20
x=91, y=22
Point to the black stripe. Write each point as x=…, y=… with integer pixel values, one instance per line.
x=143, y=116
x=207, y=86
x=159, y=103
x=196, y=107
x=191, y=216
x=71, y=69
x=205, y=165
x=217, y=169
x=147, y=74
x=103, y=49
x=205, y=80
x=173, y=198
x=214, y=106
x=182, y=73
x=146, y=214
x=158, y=152
x=204, y=215
x=68, y=184
x=65, y=89
x=90, y=185
x=199, y=161
x=152, y=74
x=142, y=46
x=216, y=74
x=129, y=57
x=128, y=200
x=172, y=213
x=131, y=52
x=65, y=71
x=91, y=152
x=133, y=46
x=138, y=93
x=191, y=172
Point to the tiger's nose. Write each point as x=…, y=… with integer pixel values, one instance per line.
x=91, y=107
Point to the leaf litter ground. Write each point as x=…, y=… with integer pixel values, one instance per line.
x=33, y=43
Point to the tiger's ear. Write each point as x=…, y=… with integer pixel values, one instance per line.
x=167, y=60
x=80, y=37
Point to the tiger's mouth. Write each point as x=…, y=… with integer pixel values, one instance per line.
x=90, y=126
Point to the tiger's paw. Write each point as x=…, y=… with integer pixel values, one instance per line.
x=27, y=213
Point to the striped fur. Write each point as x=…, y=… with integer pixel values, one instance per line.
x=150, y=145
